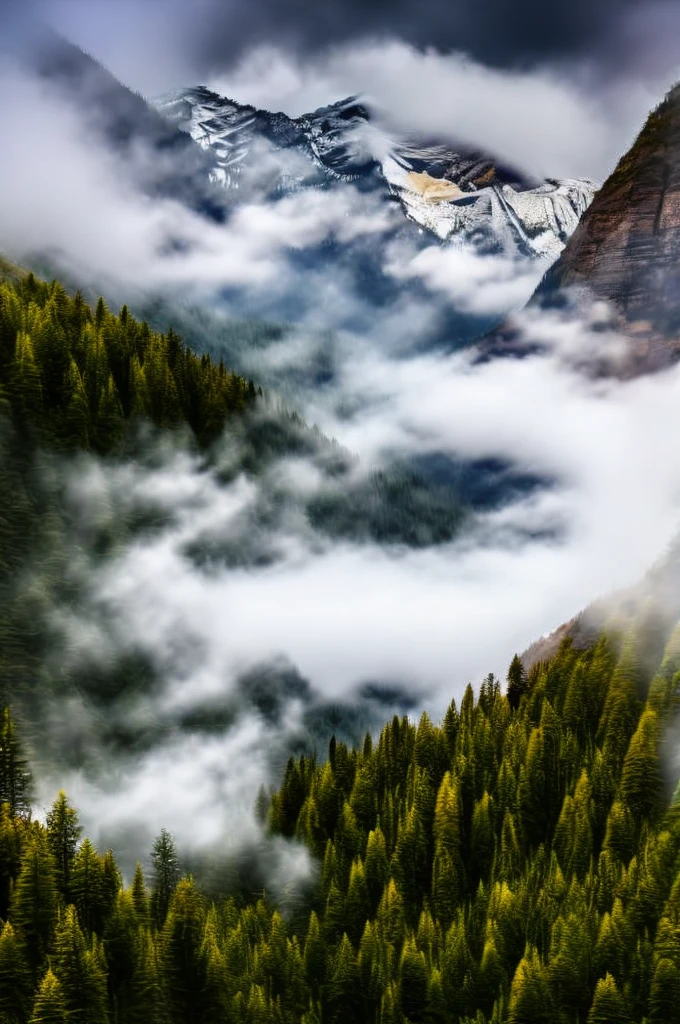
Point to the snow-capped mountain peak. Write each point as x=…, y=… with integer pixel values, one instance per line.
x=460, y=196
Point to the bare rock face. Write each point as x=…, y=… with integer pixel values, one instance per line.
x=626, y=248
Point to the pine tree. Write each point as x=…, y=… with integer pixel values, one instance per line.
x=63, y=833
x=184, y=964
x=363, y=798
x=492, y=976
x=12, y=836
x=120, y=946
x=108, y=422
x=569, y=965
x=342, y=991
x=376, y=867
x=357, y=907
x=641, y=779
x=166, y=875
x=530, y=1001
x=33, y=909
x=437, y=1010
x=371, y=973
x=15, y=978
x=215, y=995
x=390, y=914
x=334, y=916
x=622, y=706
x=81, y=973
x=447, y=885
x=315, y=956
x=413, y=978
x=24, y=385
x=75, y=426
x=517, y=682
x=140, y=896
x=457, y=963
x=619, y=837
x=49, y=1006
x=148, y=1002
x=664, y=1000
x=482, y=839
x=87, y=888
x=609, y=1006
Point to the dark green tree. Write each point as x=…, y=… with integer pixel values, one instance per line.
x=63, y=833
x=166, y=875
x=49, y=1006
x=517, y=684
x=33, y=909
x=609, y=1006
x=15, y=978
x=80, y=969
x=183, y=957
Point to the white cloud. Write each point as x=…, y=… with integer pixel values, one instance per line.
x=475, y=283
x=345, y=614
x=62, y=190
x=540, y=120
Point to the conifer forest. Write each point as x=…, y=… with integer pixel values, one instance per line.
x=339, y=512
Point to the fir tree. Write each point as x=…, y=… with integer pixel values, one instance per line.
x=49, y=1006
x=15, y=978
x=63, y=833
x=33, y=909
x=166, y=875
x=609, y=1006
x=80, y=970
x=183, y=959
x=517, y=682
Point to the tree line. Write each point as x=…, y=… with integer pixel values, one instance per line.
x=517, y=863
x=77, y=377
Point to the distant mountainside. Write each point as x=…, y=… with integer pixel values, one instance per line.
x=650, y=607
x=456, y=194
x=626, y=248
x=166, y=162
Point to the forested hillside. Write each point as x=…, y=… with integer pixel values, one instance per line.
x=83, y=392
x=74, y=380
x=517, y=863
x=75, y=377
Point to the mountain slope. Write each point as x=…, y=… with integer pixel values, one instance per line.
x=164, y=161
x=456, y=194
x=626, y=248
x=515, y=865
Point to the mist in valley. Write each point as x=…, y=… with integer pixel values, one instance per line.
x=214, y=612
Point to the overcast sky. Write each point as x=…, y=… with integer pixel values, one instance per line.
x=560, y=91
x=611, y=37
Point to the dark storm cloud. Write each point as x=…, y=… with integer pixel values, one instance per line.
x=495, y=32
x=155, y=44
x=491, y=30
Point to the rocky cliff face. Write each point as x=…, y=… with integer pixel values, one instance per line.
x=626, y=248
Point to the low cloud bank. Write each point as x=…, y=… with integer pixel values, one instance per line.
x=343, y=616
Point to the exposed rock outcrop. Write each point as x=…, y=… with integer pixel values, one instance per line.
x=626, y=248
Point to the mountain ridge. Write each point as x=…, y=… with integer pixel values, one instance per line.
x=478, y=200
